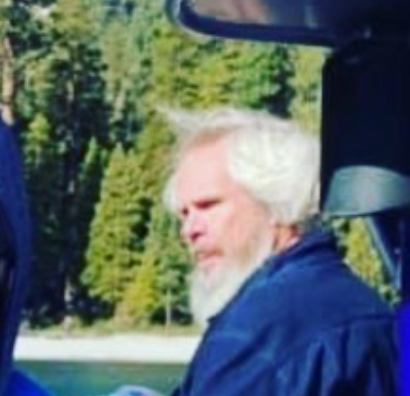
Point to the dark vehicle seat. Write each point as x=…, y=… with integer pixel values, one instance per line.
x=15, y=252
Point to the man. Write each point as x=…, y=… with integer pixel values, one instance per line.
x=284, y=315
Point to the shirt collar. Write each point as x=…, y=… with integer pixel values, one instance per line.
x=315, y=241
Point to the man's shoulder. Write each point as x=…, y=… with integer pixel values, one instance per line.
x=286, y=321
x=313, y=281
x=304, y=283
x=305, y=298
x=311, y=298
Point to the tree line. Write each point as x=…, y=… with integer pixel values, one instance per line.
x=82, y=81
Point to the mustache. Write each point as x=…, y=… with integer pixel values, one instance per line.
x=201, y=253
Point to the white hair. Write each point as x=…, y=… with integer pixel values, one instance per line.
x=272, y=158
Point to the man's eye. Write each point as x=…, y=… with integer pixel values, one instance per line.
x=208, y=204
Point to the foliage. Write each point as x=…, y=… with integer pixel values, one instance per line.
x=43, y=173
x=115, y=232
x=306, y=83
x=62, y=85
x=141, y=298
x=164, y=250
x=363, y=258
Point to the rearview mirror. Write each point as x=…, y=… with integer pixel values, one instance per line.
x=317, y=22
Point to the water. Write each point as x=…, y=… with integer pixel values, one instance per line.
x=94, y=379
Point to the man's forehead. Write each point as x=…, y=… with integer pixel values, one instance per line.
x=202, y=170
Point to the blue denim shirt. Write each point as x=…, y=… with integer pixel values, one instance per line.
x=303, y=325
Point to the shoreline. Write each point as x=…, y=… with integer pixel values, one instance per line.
x=129, y=348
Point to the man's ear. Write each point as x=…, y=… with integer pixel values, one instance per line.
x=284, y=236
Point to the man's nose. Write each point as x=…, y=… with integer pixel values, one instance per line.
x=192, y=229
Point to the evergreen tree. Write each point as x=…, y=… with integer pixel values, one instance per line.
x=20, y=32
x=90, y=176
x=363, y=258
x=115, y=236
x=307, y=85
x=41, y=157
x=63, y=83
x=134, y=24
x=173, y=263
x=141, y=298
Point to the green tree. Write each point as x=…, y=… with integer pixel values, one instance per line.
x=173, y=263
x=41, y=157
x=166, y=260
x=307, y=85
x=131, y=185
x=115, y=232
x=90, y=177
x=141, y=298
x=63, y=83
x=20, y=32
x=244, y=74
x=363, y=258
x=134, y=24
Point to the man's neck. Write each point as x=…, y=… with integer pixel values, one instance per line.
x=286, y=237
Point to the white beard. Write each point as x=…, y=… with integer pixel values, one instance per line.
x=211, y=291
